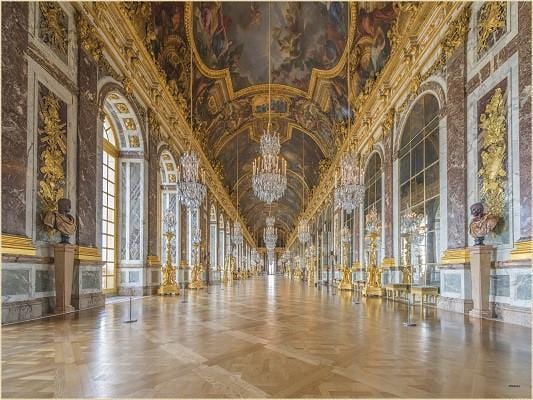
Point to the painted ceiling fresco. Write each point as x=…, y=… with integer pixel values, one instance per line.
x=235, y=36
x=230, y=71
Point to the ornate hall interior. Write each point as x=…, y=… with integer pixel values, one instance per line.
x=271, y=199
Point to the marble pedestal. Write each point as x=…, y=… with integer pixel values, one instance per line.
x=64, y=265
x=480, y=262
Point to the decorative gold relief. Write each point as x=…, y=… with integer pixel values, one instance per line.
x=127, y=84
x=89, y=39
x=134, y=141
x=129, y=123
x=53, y=138
x=122, y=108
x=492, y=20
x=53, y=27
x=170, y=166
x=172, y=178
x=388, y=121
x=166, y=157
x=493, y=154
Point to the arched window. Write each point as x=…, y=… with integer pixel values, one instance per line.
x=109, y=206
x=213, y=237
x=419, y=183
x=221, y=241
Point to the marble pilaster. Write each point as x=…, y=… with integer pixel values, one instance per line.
x=153, y=173
x=89, y=164
x=524, y=78
x=456, y=150
x=14, y=116
x=387, y=210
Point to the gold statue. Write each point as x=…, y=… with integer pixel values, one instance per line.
x=373, y=283
x=482, y=223
x=61, y=220
x=346, y=280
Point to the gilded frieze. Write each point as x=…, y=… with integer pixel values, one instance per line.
x=53, y=27
x=493, y=155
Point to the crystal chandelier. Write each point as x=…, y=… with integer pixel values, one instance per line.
x=270, y=235
x=303, y=232
x=269, y=170
x=349, y=192
x=191, y=189
x=236, y=237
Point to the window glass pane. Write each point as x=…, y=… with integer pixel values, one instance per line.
x=417, y=159
x=432, y=181
x=432, y=147
x=404, y=196
x=417, y=189
x=405, y=171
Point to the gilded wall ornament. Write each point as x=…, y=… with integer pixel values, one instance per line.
x=492, y=21
x=388, y=121
x=89, y=40
x=53, y=137
x=53, y=27
x=493, y=154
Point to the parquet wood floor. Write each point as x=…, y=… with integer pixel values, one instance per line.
x=266, y=337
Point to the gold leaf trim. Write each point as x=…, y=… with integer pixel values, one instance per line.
x=87, y=254
x=456, y=256
x=12, y=244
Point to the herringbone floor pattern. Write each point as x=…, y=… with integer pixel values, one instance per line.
x=264, y=338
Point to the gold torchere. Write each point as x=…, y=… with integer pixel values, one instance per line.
x=373, y=284
x=196, y=281
x=346, y=281
x=169, y=286
x=311, y=271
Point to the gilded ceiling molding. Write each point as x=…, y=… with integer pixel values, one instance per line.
x=224, y=74
x=399, y=78
x=116, y=29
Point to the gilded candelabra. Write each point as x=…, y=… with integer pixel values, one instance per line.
x=373, y=284
x=346, y=280
x=311, y=264
x=169, y=285
x=297, y=274
x=197, y=269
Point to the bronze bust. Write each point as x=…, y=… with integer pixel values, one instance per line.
x=61, y=220
x=481, y=224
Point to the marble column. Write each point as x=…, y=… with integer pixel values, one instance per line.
x=524, y=79
x=14, y=116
